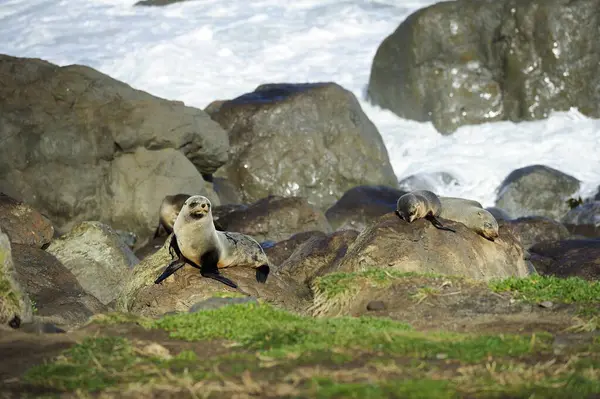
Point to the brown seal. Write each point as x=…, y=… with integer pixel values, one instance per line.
x=420, y=204
x=196, y=241
x=471, y=214
x=168, y=211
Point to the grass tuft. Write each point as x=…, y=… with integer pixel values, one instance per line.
x=549, y=288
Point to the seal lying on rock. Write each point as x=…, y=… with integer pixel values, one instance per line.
x=167, y=214
x=420, y=204
x=471, y=214
x=196, y=241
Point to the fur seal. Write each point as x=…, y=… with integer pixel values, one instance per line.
x=169, y=209
x=471, y=214
x=196, y=241
x=420, y=204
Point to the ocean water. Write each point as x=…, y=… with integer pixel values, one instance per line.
x=204, y=50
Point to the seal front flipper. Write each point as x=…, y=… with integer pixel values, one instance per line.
x=174, y=248
x=262, y=272
x=172, y=268
x=437, y=223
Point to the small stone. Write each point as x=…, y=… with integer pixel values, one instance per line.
x=41, y=328
x=441, y=356
x=216, y=303
x=546, y=304
x=376, y=305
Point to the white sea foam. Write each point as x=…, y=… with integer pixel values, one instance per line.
x=203, y=50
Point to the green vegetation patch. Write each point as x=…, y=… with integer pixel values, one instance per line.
x=97, y=363
x=279, y=333
x=9, y=298
x=338, y=284
x=548, y=288
x=326, y=388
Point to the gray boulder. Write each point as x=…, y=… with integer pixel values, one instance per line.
x=97, y=257
x=361, y=205
x=57, y=296
x=274, y=218
x=467, y=62
x=310, y=140
x=536, y=190
x=78, y=145
x=533, y=229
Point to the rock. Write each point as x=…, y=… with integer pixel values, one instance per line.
x=227, y=192
x=117, y=136
x=97, y=257
x=534, y=229
x=361, y=205
x=420, y=247
x=308, y=140
x=275, y=218
x=317, y=256
x=566, y=258
x=186, y=287
x=14, y=301
x=216, y=303
x=467, y=62
x=23, y=224
x=280, y=251
x=587, y=213
x=428, y=181
x=597, y=196
x=376, y=305
x=127, y=237
x=58, y=297
x=498, y=213
x=37, y=327
x=536, y=190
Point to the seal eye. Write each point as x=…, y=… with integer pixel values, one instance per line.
x=192, y=205
x=204, y=206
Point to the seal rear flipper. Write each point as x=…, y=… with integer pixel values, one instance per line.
x=437, y=223
x=220, y=278
x=157, y=231
x=262, y=272
x=172, y=268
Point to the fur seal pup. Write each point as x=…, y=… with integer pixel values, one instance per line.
x=196, y=241
x=420, y=204
x=168, y=211
x=471, y=214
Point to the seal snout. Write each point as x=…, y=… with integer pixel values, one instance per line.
x=198, y=207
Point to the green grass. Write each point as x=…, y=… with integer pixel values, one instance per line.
x=336, y=284
x=326, y=388
x=278, y=333
x=549, y=288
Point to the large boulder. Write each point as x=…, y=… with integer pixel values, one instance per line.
x=278, y=252
x=467, y=62
x=587, y=213
x=317, y=256
x=123, y=144
x=186, y=287
x=536, y=190
x=567, y=258
x=420, y=247
x=58, y=297
x=274, y=218
x=97, y=257
x=533, y=229
x=310, y=140
x=14, y=301
x=23, y=224
x=361, y=205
